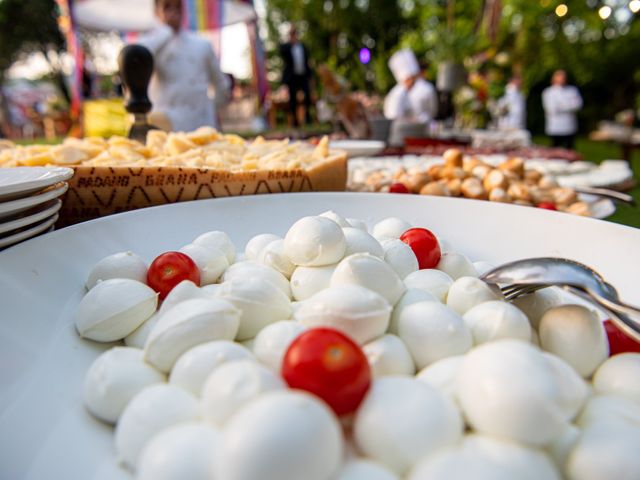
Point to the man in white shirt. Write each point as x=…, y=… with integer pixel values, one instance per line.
x=561, y=103
x=296, y=74
x=185, y=70
x=513, y=107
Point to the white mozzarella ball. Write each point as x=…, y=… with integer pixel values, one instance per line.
x=561, y=446
x=357, y=311
x=605, y=451
x=388, y=355
x=505, y=389
x=331, y=215
x=114, y=308
x=286, y=435
x=152, y=410
x=619, y=375
x=371, y=272
x=483, y=267
x=185, y=451
x=218, y=240
x=456, y=265
x=360, y=469
x=411, y=296
x=432, y=281
x=232, y=385
x=457, y=463
x=260, y=302
x=272, y=342
x=314, y=242
x=257, y=243
x=493, y=320
x=359, y=241
x=119, y=265
x=433, y=331
x=273, y=256
x=467, y=292
x=114, y=378
x=357, y=223
x=391, y=227
x=401, y=420
x=185, y=290
x=443, y=375
x=307, y=281
x=138, y=337
x=242, y=270
x=536, y=304
x=194, y=366
x=188, y=324
x=400, y=257
x=571, y=390
x=576, y=335
x=211, y=262
x=609, y=409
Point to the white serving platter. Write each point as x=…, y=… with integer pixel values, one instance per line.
x=47, y=210
x=17, y=182
x=21, y=204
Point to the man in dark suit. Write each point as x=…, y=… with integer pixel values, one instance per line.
x=296, y=74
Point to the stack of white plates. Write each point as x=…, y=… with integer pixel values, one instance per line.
x=29, y=201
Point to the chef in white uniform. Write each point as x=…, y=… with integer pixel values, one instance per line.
x=186, y=70
x=513, y=107
x=561, y=103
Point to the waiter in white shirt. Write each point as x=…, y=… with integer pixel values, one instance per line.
x=513, y=107
x=185, y=71
x=413, y=98
x=561, y=103
x=296, y=74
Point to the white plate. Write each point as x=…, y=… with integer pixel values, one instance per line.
x=48, y=209
x=7, y=241
x=45, y=431
x=22, y=204
x=358, y=148
x=19, y=181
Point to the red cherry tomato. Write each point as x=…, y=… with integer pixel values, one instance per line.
x=169, y=269
x=547, y=205
x=327, y=363
x=619, y=342
x=425, y=246
x=398, y=188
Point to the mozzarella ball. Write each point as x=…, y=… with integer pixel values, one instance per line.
x=194, y=366
x=184, y=451
x=609, y=409
x=400, y=257
x=402, y=420
x=331, y=215
x=188, y=324
x=360, y=469
x=388, y=355
x=272, y=342
x=483, y=267
x=119, y=265
x=443, y=375
x=619, y=375
x=242, y=270
x=314, y=242
x=185, y=290
x=260, y=302
x=457, y=463
x=114, y=308
x=467, y=292
x=220, y=241
x=288, y=435
x=232, y=385
x=456, y=265
x=357, y=223
x=561, y=446
x=411, y=296
x=138, y=337
x=433, y=281
x=211, y=262
x=359, y=241
x=571, y=390
x=493, y=320
x=357, y=311
x=536, y=304
x=505, y=389
x=307, y=281
x=257, y=243
x=576, y=335
x=432, y=331
x=152, y=410
x=114, y=378
x=391, y=227
x=371, y=272
x=273, y=256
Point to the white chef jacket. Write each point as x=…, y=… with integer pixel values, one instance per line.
x=514, y=103
x=560, y=107
x=185, y=68
x=396, y=103
x=419, y=104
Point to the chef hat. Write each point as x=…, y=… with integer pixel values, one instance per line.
x=403, y=64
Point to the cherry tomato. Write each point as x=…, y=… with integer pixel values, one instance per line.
x=169, y=269
x=425, y=246
x=327, y=363
x=547, y=205
x=619, y=342
x=398, y=188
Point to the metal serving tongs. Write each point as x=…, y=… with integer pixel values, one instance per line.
x=607, y=193
x=526, y=276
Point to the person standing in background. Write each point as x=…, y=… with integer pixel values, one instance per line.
x=296, y=74
x=561, y=102
x=185, y=68
x=512, y=107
